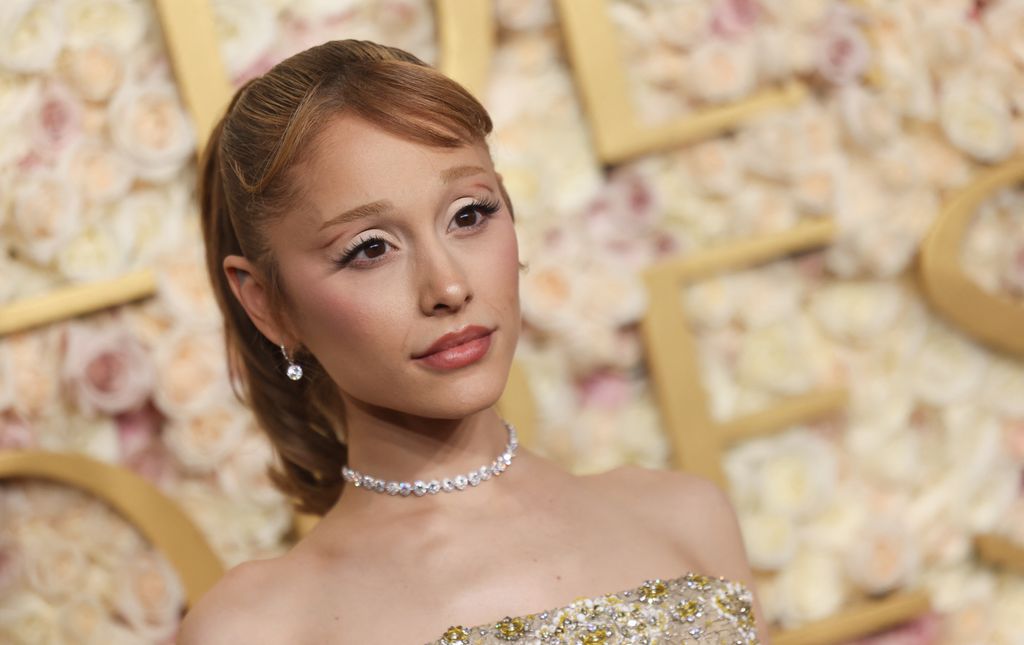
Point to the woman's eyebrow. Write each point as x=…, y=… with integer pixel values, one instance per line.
x=449, y=175
x=359, y=212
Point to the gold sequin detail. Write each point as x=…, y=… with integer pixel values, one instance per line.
x=692, y=609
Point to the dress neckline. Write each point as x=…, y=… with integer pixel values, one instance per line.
x=649, y=590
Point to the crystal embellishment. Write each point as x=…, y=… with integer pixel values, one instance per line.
x=420, y=488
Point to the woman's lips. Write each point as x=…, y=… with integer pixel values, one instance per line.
x=461, y=355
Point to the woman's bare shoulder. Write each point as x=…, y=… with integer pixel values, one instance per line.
x=249, y=604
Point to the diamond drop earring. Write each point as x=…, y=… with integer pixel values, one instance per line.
x=294, y=370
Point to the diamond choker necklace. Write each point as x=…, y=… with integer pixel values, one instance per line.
x=433, y=487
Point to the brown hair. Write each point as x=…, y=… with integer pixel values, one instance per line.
x=270, y=127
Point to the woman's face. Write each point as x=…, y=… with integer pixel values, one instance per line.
x=397, y=252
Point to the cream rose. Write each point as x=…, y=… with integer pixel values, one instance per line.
x=712, y=303
x=843, y=52
x=975, y=117
x=770, y=540
x=202, y=441
x=857, y=312
x=19, y=96
x=55, y=568
x=410, y=22
x=722, y=71
x=191, y=371
x=716, y=167
x=149, y=126
x=776, y=358
x=119, y=24
x=244, y=472
x=32, y=33
x=27, y=619
x=882, y=558
x=185, y=285
x=948, y=368
x=85, y=620
x=100, y=173
x=95, y=72
x=46, y=215
x=1004, y=22
x=1003, y=387
x=314, y=11
x=157, y=217
x=550, y=296
x=869, y=121
x=106, y=369
x=811, y=587
x=32, y=365
x=150, y=596
x=95, y=253
x=95, y=436
x=246, y=30
x=680, y=24
x=800, y=477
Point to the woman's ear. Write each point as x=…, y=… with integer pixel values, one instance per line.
x=251, y=291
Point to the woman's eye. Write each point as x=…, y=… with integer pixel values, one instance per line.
x=365, y=253
x=472, y=215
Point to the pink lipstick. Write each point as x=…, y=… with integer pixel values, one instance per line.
x=457, y=349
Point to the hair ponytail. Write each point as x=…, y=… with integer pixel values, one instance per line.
x=245, y=182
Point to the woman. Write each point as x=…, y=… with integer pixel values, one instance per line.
x=363, y=252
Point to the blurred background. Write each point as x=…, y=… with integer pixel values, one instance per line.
x=886, y=496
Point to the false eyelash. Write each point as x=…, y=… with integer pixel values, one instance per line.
x=487, y=207
x=351, y=253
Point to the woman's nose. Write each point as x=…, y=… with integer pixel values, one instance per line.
x=444, y=285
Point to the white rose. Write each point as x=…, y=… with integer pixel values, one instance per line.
x=32, y=33
x=593, y=345
x=85, y=620
x=185, y=285
x=1008, y=608
x=120, y=24
x=836, y=527
x=948, y=368
x=681, y=24
x=815, y=186
x=613, y=298
x=247, y=30
x=32, y=364
x=101, y=174
x=722, y=71
x=27, y=619
x=55, y=567
x=410, y=22
x=869, y=121
x=95, y=253
x=95, y=437
x=200, y=442
x=19, y=96
x=993, y=499
x=192, y=371
x=778, y=358
x=941, y=165
x=550, y=296
x=314, y=11
x=973, y=443
x=783, y=52
x=12, y=562
x=244, y=473
x=46, y=215
x=882, y=558
x=150, y=596
x=800, y=477
x=975, y=117
x=811, y=587
x=715, y=166
x=712, y=303
x=157, y=218
x=150, y=127
x=961, y=585
x=769, y=148
x=856, y=312
x=1003, y=387
x=95, y=71
x=770, y=540
x=949, y=38
x=799, y=13
x=770, y=294
x=1004, y=22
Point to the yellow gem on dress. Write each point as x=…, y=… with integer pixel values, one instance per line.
x=511, y=629
x=687, y=610
x=653, y=590
x=597, y=637
x=456, y=635
x=697, y=581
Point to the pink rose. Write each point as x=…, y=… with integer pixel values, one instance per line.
x=137, y=431
x=605, y=390
x=731, y=18
x=843, y=52
x=106, y=369
x=15, y=432
x=57, y=122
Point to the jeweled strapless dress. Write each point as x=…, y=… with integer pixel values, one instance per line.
x=691, y=609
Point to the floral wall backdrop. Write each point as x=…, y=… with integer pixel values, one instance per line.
x=908, y=100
